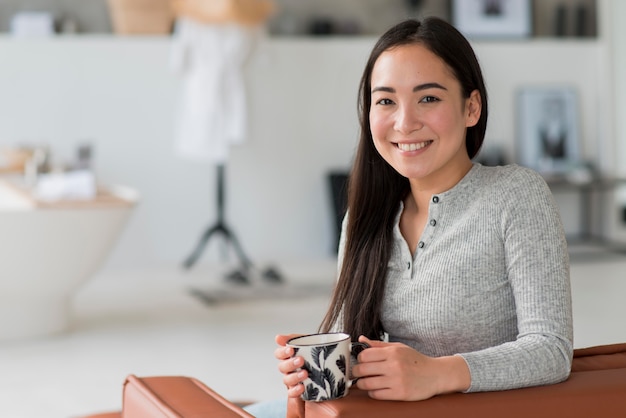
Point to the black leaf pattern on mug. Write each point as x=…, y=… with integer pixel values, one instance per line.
x=341, y=363
x=329, y=378
x=312, y=392
x=328, y=350
x=340, y=389
x=315, y=374
x=323, y=385
x=315, y=353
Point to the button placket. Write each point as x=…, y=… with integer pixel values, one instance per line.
x=434, y=214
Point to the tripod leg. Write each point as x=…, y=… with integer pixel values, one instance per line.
x=191, y=260
x=243, y=259
x=220, y=227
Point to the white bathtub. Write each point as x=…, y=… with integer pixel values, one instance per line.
x=47, y=252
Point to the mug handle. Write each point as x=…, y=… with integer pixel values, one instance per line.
x=355, y=350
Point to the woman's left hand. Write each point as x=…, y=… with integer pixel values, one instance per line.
x=395, y=371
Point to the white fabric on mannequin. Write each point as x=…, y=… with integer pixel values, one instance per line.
x=212, y=114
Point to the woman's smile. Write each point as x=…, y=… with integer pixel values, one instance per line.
x=413, y=146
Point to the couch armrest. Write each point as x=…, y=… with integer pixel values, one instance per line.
x=174, y=396
x=599, y=358
x=596, y=387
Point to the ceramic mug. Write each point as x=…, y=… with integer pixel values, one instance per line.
x=328, y=359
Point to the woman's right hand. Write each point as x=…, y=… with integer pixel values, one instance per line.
x=290, y=366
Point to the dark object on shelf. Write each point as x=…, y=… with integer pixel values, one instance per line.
x=322, y=26
x=347, y=27
x=560, y=21
x=414, y=4
x=581, y=27
x=490, y=19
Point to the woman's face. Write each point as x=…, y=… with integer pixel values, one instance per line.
x=418, y=115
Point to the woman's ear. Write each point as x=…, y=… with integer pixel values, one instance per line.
x=474, y=105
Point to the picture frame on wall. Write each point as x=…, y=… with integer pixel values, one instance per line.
x=548, y=129
x=493, y=18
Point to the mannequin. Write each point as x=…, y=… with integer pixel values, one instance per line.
x=213, y=40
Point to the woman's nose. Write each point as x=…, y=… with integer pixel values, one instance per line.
x=407, y=120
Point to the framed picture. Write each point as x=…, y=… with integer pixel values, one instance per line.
x=493, y=18
x=547, y=129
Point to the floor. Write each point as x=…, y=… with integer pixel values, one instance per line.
x=149, y=323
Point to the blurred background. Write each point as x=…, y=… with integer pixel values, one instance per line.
x=91, y=85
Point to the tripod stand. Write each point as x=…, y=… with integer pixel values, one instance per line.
x=241, y=275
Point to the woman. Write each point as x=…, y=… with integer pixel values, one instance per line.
x=456, y=274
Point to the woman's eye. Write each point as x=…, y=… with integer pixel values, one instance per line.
x=429, y=99
x=384, y=102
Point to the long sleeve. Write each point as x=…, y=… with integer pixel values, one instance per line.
x=538, y=273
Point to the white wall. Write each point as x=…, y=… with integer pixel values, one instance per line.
x=614, y=22
x=121, y=94
x=619, y=65
x=303, y=122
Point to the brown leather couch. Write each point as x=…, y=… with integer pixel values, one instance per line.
x=172, y=397
x=596, y=388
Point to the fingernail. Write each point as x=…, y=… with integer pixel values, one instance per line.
x=287, y=350
x=301, y=375
x=297, y=361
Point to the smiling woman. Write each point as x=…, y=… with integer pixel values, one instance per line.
x=419, y=115
x=456, y=275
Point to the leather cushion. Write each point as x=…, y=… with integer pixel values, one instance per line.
x=174, y=396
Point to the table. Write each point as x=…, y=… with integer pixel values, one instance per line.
x=587, y=191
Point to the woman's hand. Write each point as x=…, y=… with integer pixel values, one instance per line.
x=395, y=371
x=289, y=367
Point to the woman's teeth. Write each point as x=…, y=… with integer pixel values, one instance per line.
x=413, y=146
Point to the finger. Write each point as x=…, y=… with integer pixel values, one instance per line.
x=374, y=355
x=281, y=339
x=374, y=383
x=369, y=368
x=296, y=391
x=372, y=343
x=292, y=379
x=283, y=352
x=364, y=339
x=357, y=371
x=290, y=365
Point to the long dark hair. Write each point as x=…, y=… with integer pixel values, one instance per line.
x=375, y=189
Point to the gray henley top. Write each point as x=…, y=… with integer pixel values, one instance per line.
x=489, y=281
